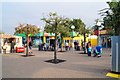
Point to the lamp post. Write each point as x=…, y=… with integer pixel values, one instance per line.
x=72, y=27
x=98, y=25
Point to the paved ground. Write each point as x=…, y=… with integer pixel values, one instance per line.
x=76, y=66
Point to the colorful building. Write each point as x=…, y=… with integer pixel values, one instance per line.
x=80, y=39
x=42, y=37
x=6, y=39
x=105, y=38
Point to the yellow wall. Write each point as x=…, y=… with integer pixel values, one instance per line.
x=93, y=42
x=44, y=39
x=80, y=39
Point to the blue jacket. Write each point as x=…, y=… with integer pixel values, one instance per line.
x=99, y=49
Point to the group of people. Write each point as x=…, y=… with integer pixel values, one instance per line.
x=46, y=46
x=12, y=46
x=86, y=46
x=50, y=47
x=96, y=51
x=68, y=46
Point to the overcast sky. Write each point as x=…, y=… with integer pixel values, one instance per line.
x=14, y=13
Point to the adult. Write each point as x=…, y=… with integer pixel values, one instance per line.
x=5, y=47
x=12, y=46
x=47, y=46
x=87, y=46
x=30, y=47
x=66, y=45
x=44, y=46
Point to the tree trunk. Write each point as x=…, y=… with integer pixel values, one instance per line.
x=27, y=46
x=61, y=43
x=55, y=55
x=84, y=43
x=84, y=40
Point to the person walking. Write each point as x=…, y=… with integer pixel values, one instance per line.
x=30, y=47
x=12, y=46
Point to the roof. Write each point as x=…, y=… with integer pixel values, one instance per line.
x=7, y=36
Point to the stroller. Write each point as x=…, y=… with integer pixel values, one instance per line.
x=97, y=51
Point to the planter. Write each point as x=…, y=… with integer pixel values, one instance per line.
x=115, y=40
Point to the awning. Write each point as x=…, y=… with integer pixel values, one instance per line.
x=7, y=36
x=46, y=34
x=22, y=35
x=41, y=34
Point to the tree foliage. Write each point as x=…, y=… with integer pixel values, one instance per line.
x=26, y=29
x=79, y=26
x=112, y=17
x=1, y=32
x=57, y=24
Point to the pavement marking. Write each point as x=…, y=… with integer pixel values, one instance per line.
x=109, y=74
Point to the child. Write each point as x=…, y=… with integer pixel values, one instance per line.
x=89, y=50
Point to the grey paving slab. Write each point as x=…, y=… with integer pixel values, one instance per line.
x=76, y=66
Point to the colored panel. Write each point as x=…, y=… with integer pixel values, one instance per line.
x=46, y=34
x=44, y=39
x=52, y=37
x=22, y=35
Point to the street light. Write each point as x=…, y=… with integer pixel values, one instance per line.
x=98, y=25
x=72, y=27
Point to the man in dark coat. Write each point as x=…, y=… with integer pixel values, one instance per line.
x=12, y=46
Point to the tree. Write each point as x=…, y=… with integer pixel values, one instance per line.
x=58, y=25
x=1, y=32
x=112, y=17
x=79, y=26
x=27, y=29
x=64, y=28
